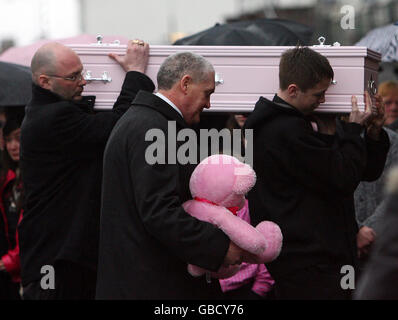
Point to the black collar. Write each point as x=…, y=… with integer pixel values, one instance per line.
x=152, y=101
x=279, y=100
x=41, y=96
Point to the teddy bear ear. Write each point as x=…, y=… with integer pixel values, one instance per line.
x=245, y=179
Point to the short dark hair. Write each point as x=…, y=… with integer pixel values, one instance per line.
x=303, y=67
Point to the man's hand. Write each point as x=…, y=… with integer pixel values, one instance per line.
x=136, y=57
x=233, y=256
x=362, y=118
x=365, y=238
x=2, y=267
x=378, y=115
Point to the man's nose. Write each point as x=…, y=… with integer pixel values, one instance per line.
x=14, y=144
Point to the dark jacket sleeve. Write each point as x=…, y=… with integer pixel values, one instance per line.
x=318, y=163
x=376, y=156
x=159, y=207
x=86, y=133
x=133, y=82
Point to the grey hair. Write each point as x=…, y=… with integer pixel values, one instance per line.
x=180, y=64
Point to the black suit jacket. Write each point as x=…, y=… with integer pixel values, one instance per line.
x=146, y=237
x=62, y=145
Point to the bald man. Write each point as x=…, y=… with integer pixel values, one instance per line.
x=62, y=144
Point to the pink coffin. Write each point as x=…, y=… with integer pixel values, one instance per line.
x=242, y=73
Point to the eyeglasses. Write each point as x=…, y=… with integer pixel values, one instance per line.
x=74, y=77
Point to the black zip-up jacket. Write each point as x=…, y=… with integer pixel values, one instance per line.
x=305, y=184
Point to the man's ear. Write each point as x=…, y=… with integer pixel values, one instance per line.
x=292, y=90
x=44, y=81
x=185, y=82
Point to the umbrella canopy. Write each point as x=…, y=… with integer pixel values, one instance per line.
x=383, y=40
x=23, y=55
x=15, y=85
x=260, y=32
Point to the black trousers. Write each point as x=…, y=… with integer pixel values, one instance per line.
x=244, y=293
x=72, y=282
x=312, y=283
x=8, y=290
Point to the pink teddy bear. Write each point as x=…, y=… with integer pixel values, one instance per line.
x=218, y=186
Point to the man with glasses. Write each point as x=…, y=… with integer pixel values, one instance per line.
x=62, y=143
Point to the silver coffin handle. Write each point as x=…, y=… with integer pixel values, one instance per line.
x=105, y=78
x=372, y=86
x=218, y=80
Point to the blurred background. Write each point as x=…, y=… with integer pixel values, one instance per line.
x=163, y=22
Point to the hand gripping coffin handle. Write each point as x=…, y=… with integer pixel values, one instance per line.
x=372, y=86
x=105, y=78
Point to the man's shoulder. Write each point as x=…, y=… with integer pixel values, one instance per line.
x=140, y=118
x=49, y=109
x=286, y=121
x=151, y=110
x=143, y=112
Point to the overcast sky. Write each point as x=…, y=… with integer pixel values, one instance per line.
x=26, y=21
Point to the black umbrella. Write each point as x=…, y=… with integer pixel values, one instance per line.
x=15, y=85
x=302, y=32
x=260, y=32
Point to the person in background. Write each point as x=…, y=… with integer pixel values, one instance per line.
x=379, y=280
x=236, y=121
x=388, y=90
x=370, y=197
x=11, y=208
x=2, y=123
x=370, y=203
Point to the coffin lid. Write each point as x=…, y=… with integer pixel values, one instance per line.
x=161, y=50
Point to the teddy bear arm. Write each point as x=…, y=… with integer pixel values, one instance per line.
x=240, y=232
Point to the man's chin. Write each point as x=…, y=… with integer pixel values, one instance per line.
x=314, y=108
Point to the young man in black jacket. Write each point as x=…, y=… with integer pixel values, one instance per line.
x=62, y=144
x=306, y=178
